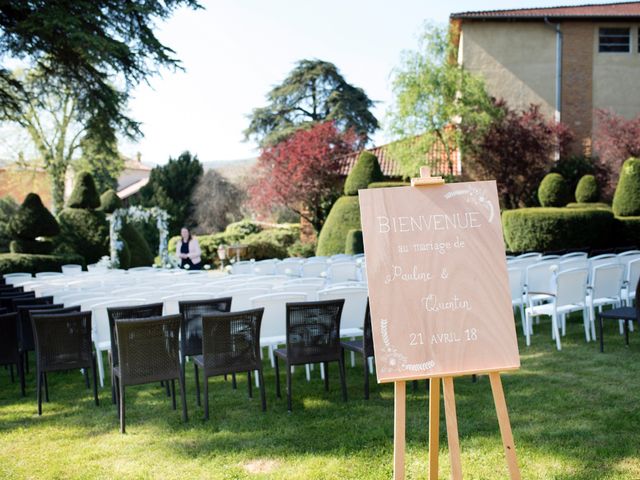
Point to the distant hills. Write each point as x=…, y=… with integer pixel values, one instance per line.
x=232, y=169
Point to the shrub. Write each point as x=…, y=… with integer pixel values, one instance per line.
x=110, y=201
x=84, y=194
x=302, y=249
x=602, y=205
x=262, y=249
x=8, y=208
x=628, y=230
x=354, y=243
x=553, y=191
x=587, y=190
x=242, y=228
x=573, y=168
x=38, y=247
x=388, y=184
x=140, y=254
x=542, y=229
x=33, y=220
x=344, y=216
x=30, y=263
x=626, y=200
x=85, y=232
x=365, y=171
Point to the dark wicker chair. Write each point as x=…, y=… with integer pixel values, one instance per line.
x=313, y=336
x=121, y=313
x=192, y=312
x=63, y=342
x=148, y=351
x=17, y=302
x=9, y=347
x=230, y=344
x=6, y=299
x=10, y=289
x=625, y=314
x=4, y=310
x=363, y=347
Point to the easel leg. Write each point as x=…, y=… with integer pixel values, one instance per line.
x=452, y=428
x=505, y=425
x=399, y=424
x=434, y=427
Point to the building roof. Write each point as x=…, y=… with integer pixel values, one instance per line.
x=620, y=10
x=132, y=189
x=390, y=168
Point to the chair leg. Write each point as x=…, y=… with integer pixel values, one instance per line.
x=195, y=367
x=626, y=333
x=22, y=379
x=366, y=378
x=39, y=390
x=122, y=405
x=95, y=380
x=288, y=387
x=343, y=376
x=601, y=335
x=234, y=384
x=85, y=374
x=206, y=395
x=173, y=394
x=167, y=387
x=26, y=361
x=13, y=378
x=326, y=376
x=263, y=396
x=555, y=330
x=249, y=384
x=183, y=397
x=527, y=330
x=585, y=320
x=277, y=368
x=46, y=388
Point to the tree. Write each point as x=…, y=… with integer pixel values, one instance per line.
x=170, y=187
x=314, y=92
x=434, y=98
x=302, y=172
x=105, y=165
x=516, y=150
x=85, y=45
x=217, y=202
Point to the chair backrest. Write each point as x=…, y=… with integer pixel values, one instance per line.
x=367, y=337
x=265, y=267
x=71, y=269
x=63, y=341
x=320, y=282
x=7, y=298
x=192, y=312
x=309, y=288
x=231, y=341
x=148, y=349
x=538, y=277
x=7, y=289
x=48, y=274
x=545, y=258
x=313, y=269
x=355, y=304
x=573, y=262
x=313, y=331
x=601, y=260
x=242, y=297
x=530, y=255
x=289, y=267
x=16, y=302
x=606, y=280
x=275, y=310
x=569, y=255
x=571, y=286
x=127, y=312
x=515, y=283
x=362, y=276
x=633, y=273
x=25, y=332
x=343, y=271
x=9, y=338
x=629, y=252
x=245, y=266
x=319, y=258
x=172, y=302
x=12, y=278
x=101, y=334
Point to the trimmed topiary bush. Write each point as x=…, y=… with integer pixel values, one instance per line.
x=626, y=200
x=85, y=232
x=587, y=190
x=140, y=254
x=110, y=201
x=540, y=229
x=32, y=220
x=344, y=216
x=553, y=191
x=603, y=205
x=31, y=263
x=354, y=243
x=388, y=184
x=8, y=209
x=302, y=249
x=365, y=171
x=84, y=194
x=627, y=231
x=39, y=247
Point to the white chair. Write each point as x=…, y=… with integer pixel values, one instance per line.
x=570, y=287
x=605, y=287
x=572, y=263
x=313, y=269
x=274, y=325
x=529, y=255
x=317, y=259
x=355, y=305
x=626, y=258
x=538, y=282
x=309, y=288
x=171, y=301
x=631, y=280
x=48, y=274
x=342, y=272
x=241, y=297
x=517, y=294
x=245, y=266
x=341, y=257
x=362, y=275
x=71, y=269
x=569, y=255
x=141, y=269
x=306, y=281
x=545, y=258
x=289, y=267
x=601, y=260
x=17, y=279
x=265, y=267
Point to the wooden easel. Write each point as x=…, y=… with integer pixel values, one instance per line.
x=449, y=407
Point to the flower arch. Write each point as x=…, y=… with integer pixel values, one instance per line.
x=137, y=214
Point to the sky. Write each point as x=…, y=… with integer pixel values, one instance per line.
x=234, y=51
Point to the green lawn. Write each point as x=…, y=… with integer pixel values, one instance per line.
x=575, y=415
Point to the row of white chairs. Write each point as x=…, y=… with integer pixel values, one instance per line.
x=337, y=268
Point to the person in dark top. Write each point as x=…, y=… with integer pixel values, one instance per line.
x=188, y=250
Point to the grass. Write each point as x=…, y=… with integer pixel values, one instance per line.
x=575, y=415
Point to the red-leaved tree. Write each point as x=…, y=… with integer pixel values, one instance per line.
x=517, y=150
x=301, y=173
x=616, y=139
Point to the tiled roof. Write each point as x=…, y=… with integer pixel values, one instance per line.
x=607, y=10
x=133, y=188
x=437, y=161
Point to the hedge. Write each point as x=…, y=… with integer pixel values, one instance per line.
x=140, y=254
x=110, y=201
x=354, y=243
x=365, y=171
x=85, y=232
x=388, y=184
x=602, y=205
x=33, y=220
x=541, y=229
x=21, y=262
x=587, y=190
x=553, y=191
x=628, y=230
x=626, y=200
x=302, y=249
x=344, y=216
x=84, y=194
x=37, y=247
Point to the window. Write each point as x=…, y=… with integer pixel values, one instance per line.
x=615, y=40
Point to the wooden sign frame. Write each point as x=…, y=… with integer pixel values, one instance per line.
x=450, y=408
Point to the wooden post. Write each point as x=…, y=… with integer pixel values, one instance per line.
x=452, y=428
x=399, y=424
x=434, y=427
x=505, y=425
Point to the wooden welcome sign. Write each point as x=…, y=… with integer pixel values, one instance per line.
x=439, y=297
